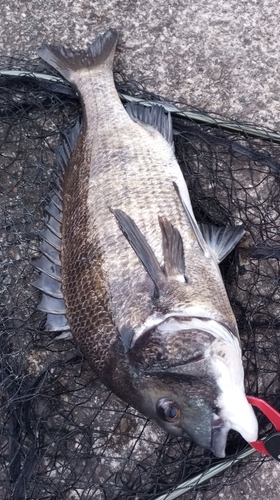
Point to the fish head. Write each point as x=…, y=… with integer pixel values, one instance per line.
x=191, y=383
x=180, y=404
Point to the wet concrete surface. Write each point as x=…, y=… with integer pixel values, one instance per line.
x=219, y=56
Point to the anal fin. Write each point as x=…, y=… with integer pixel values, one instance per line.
x=201, y=241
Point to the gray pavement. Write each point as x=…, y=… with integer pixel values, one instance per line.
x=221, y=56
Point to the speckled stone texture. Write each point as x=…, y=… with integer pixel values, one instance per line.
x=262, y=485
x=221, y=56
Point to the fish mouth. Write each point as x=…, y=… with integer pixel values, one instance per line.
x=219, y=432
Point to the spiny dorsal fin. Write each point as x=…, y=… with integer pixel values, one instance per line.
x=173, y=249
x=193, y=224
x=50, y=252
x=63, y=152
x=140, y=246
x=154, y=115
x=67, y=61
x=49, y=286
x=46, y=266
x=52, y=305
x=56, y=323
x=67, y=335
x=221, y=240
x=53, y=211
x=54, y=226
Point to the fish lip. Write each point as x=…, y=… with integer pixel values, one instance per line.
x=219, y=432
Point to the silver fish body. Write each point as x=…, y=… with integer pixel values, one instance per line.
x=143, y=294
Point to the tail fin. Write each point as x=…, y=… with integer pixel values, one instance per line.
x=67, y=61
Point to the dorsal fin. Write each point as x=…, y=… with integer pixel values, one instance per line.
x=49, y=286
x=154, y=115
x=173, y=249
x=63, y=152
x=47, y=267
x=221, y=240
x=50, y=252
x=56, y=323
x=49, y=281
x=54, y=226
x=52, y=305
x=53, y=211
x=140, y=246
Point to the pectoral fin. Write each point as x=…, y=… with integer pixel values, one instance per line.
x=140, y=246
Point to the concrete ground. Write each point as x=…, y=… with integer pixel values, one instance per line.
x=221, y=56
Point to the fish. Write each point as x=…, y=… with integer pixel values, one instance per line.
x=126, y=270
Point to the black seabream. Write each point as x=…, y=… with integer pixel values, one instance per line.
x=127, y=270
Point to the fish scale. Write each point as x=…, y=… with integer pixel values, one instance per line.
x=142, y=290
x=162, y=200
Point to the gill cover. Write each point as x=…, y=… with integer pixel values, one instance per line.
x=192, y=384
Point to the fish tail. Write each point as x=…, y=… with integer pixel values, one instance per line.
x=68, y=61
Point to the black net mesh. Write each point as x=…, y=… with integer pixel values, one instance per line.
x=63, y=434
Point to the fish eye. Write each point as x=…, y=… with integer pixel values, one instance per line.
x=168, y=410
